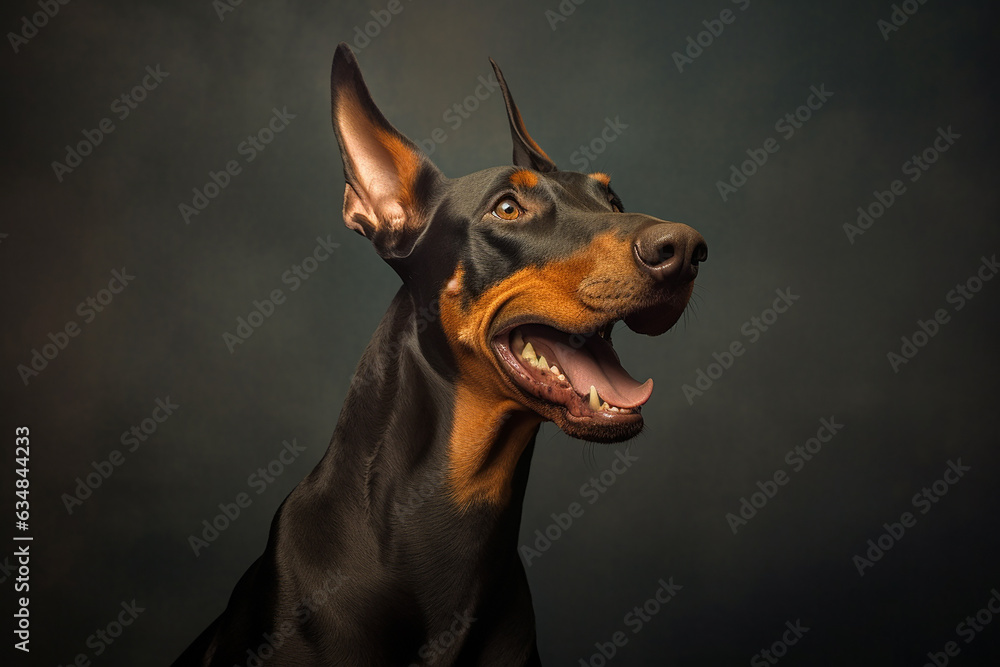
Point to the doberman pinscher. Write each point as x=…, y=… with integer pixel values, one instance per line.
x=400, y=547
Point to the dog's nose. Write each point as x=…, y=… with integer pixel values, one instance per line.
x=670, y=251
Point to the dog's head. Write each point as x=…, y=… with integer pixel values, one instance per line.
x=531, y=266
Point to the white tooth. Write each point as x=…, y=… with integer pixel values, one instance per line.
x=562, y=378
x=614, y=408
x=595, y=403
x=542, y=364
x=554, y=369
x=529, y=353
x=605, y=406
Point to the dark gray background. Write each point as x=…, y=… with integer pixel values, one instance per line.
x=665, y=517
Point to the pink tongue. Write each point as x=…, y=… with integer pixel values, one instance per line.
x=594, y=364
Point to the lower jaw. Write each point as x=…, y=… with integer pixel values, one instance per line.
x=560, y=403
x=579, y=421
x=598, y=427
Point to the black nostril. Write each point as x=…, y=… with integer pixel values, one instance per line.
x=669, y=251
x=700, y=254
x=666, y=252
x=653, y=249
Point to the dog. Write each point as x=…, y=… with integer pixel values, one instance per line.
x=400, y=547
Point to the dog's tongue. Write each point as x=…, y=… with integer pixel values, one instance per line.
x=592, y=364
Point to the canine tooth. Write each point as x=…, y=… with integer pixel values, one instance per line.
x=529, y=353
x=562, y=378
x=595, y=403
x=542, y=364
x=605, y=406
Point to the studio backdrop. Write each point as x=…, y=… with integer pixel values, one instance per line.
x=183, y=309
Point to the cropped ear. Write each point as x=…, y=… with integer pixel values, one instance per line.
x=527, y=153
x=387, y=175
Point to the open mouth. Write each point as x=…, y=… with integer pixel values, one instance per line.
x=579, y=373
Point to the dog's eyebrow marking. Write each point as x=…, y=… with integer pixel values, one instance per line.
x=601, y=177
x=524, y=178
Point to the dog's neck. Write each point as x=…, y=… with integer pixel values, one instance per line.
x=392, y=463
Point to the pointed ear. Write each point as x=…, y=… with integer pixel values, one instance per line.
x=527, y=153
x=387, y=175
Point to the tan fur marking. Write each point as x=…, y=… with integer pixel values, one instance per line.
x=601, y=177
x=524, y=178
x=407, y=166
x=570, y=294
x=519, y=121
x=482, y=406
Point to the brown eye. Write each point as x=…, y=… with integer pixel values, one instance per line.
x=507, y=209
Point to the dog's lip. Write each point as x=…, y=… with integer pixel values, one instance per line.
x=652, y=320
x=591, y=364
x=521, y=320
